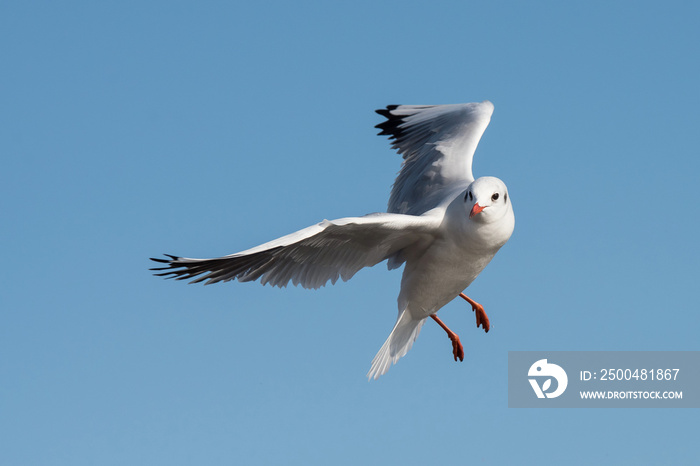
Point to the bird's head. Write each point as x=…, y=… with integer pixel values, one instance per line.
x=486, y=200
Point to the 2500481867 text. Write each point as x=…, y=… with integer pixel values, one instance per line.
x=631, y=374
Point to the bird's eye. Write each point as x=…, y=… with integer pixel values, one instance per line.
x=468, y=195
x=494, y=197
x=471, y=198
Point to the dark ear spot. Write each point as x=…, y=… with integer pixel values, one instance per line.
x=505, y=197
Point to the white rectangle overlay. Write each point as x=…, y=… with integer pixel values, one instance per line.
x=604, y=379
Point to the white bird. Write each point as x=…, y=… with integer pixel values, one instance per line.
x=441, y=222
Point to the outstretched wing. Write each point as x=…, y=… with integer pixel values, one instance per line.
x=437, y=143
x=311, y=257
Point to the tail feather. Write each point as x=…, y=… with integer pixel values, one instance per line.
x=397, y=345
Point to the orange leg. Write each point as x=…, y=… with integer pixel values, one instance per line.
x=457, y=348
x=481, y=317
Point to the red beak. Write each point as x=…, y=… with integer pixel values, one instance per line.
x=475, y=210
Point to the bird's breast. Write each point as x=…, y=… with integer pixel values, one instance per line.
x=439, y=275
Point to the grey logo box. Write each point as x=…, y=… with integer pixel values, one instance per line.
x=604, y=379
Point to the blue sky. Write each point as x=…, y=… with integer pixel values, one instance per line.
x=132, y=129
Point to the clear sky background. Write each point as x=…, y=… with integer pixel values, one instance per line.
x=131, y=129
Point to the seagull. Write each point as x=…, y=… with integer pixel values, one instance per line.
x=443, y=225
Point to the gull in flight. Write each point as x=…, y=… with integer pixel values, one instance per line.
x=443, y=225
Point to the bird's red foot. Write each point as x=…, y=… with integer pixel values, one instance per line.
x=481, y=318
x=457, y=348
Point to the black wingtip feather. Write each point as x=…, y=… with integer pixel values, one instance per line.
x=390, y=127
x=386, y=112
x=164, y=261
